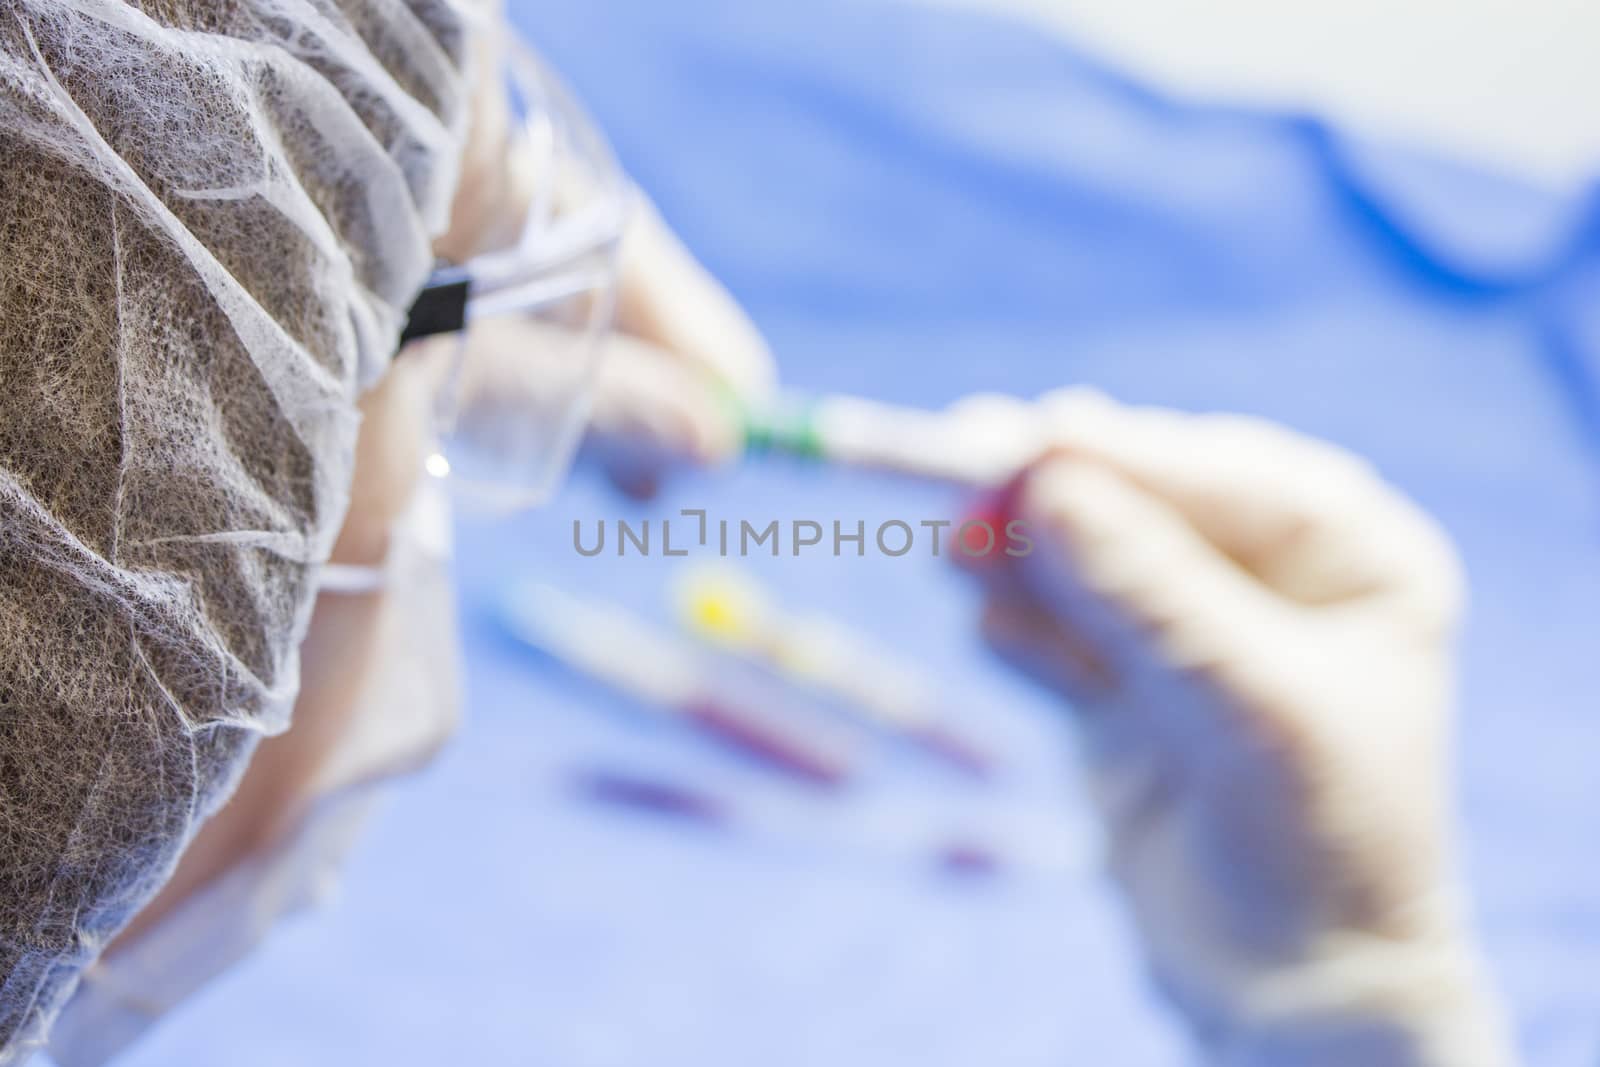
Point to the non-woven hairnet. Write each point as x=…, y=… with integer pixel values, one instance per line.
x=212, y=216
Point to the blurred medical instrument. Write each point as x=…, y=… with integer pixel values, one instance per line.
x=980, y=443
x=669, y=675
x=728, y=608
x=512, y=401
x=1005, y=846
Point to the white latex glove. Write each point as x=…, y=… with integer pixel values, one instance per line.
x=675, y=372
x=683, y=359
x=1256, y=633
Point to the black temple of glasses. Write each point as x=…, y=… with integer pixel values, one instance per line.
x=441, y=307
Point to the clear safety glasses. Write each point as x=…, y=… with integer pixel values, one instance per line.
x=526, y=323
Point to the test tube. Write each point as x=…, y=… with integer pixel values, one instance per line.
x=979, y=444
x=665, y=673
x=1021, y=843
x=730, y=610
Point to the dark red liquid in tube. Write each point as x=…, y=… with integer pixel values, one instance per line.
x=761, y=739
x=953, y=749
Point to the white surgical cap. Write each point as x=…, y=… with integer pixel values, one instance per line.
x=212, y=217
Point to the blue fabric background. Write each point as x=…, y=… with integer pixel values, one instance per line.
x=916, y=204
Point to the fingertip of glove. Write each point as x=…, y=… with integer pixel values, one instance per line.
x=1073, y=501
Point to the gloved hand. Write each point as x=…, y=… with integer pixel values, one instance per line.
x=675, y=373
x=683, y=357
x=683, y=360
x=1256, y=635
